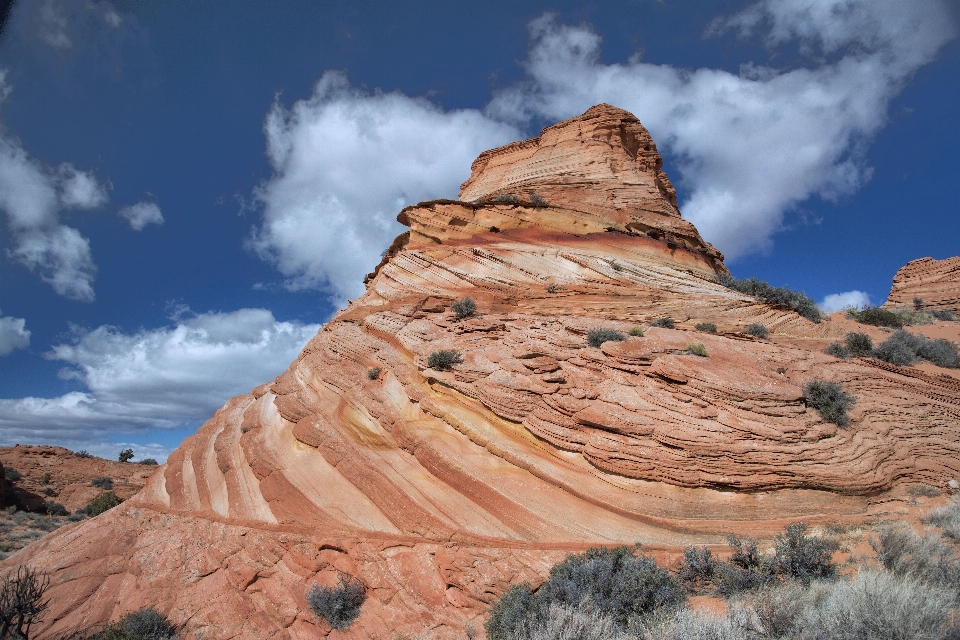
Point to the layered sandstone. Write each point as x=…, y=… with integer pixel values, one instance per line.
x=438, y=489
x=936, y=282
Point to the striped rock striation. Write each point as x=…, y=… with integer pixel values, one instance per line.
x=440, y=488
x=936, y=282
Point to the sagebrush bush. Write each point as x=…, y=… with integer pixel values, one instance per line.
x=926, y=557
x=781, y=297
x=697, y=565
x=804, y=557
x=83, y=454
x=339, y=605
x=55, y=508
x=444, y=360
x=666, y=323
x=877, y=316
x=903, y=348
x=144, y=624
x=464, y=308
x=506, y=198
x=837, y=350
x=103, y=502
x=597, y=336
x=758, y=330
x=621, y=585
x=102, y=482
x=373, y=373
x=947, y=518
x=149, y=461
x=918, y=304
x=537, y=200
x=943, y=315
x=697, y=350
x=858, y=344
x=707, y=327
x=11, y=474
x=636, y=332
x=830, y=401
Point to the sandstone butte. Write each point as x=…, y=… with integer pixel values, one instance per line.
x=439, y=489
x=936, y=282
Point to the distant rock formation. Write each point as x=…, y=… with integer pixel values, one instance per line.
x=936, y=282
x=440, y=488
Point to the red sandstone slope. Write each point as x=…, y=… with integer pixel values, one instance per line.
x=440, y=488
x=936, y=282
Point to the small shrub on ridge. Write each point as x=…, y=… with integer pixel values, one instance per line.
x=11, y=474
x=83, y=453
x=859, y=344
x=829, y=399
x=803, y=557
x=596, y=337
x=374, y=373
x=103, y=502
x=781, y=297
x=149, y=461
x=666, y=323
x=636, y=332
x=697, y=349
x=757, y=330
x=444, y=360
x=837, y=350
x=707, y=327
x=339, y=605
x=103, y=482
x=464, y=308
x=877, y=316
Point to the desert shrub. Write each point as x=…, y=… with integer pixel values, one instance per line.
x=943, y=315
x=947, y=518
x=513, y=611
x=778, y=606
x=877, y=316
x=745, y=570
x=149, y=461
x=618, y=582
x=940, y=352
x=829, y=399
x=666, y=323
x=464, y=308
x=899, y=349
x=144, y=624
x=923, y=491
x=554, y=288
x=45, y=479
x=858, y=344
x=83, y=454
x=697, y=349
x=837, y=350
x=582, y=622
x=537, y=200
x=636, y=332
x=444, y=360
x=757, y=330
x=697, y=565
x=11, y=474
x=903, y=348
x=339, y=605
x=126, y=455
x=103, y=502
x=876, y=605
x=373, y=373
x=926, y=557
x=694, y=624
x=616, y=266
x=21, y=601
x=55, y=508
x=48, y=491
x=781, y=297
x=597, y=336
x=102, y=482
x=918, y=304
x=506, y=198
x=804, y=557
x=707, y=327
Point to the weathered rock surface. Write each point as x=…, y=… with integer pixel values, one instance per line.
x=438, y=489
x=70, y=475
x=936, y=282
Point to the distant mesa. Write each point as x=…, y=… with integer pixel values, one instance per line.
x=437, y=487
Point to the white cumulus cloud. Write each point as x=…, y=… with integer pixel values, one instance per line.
x=13, y=334
x=141, y=214
x=173, y=376
x=31, y=197
x=345, y=162
x=846, y=300
x=749, y=146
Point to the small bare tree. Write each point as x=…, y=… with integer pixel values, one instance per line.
x=21, y=602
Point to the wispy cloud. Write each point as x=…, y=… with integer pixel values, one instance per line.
x=141, y=214
x=168, y=377
x=846, y=300
x=13, y=334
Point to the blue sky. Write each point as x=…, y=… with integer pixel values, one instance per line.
x=188, y=190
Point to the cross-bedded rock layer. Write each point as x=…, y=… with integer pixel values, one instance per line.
x=440, y=488
x=936, y=282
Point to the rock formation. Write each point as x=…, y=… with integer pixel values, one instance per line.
x=936, y=282
x=70, y=475
x=440, y=488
